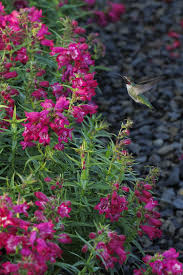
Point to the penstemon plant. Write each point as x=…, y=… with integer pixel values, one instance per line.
x=70, y=199
x=96, y=11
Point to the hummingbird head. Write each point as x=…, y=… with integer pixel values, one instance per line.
x=127, y=80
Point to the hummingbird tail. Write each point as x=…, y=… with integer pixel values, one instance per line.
x=144, y=101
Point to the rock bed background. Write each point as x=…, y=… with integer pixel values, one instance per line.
x=136, y=46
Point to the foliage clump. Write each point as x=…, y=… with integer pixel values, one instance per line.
x=70, y=199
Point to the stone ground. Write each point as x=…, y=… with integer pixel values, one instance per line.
x=136, y=46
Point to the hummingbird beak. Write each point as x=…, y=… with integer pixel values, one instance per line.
x=124, y=79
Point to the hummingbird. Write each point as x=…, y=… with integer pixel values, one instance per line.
x=136, y=91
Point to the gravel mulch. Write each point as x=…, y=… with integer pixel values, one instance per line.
x=136, y=46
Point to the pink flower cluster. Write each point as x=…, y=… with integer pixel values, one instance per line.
x=50, y=120
x=162, y=264
x=110, y=248
x=176, y=43
x=112, y=251
x=20, y=4
x=150, y=222
x=46, y=205
x=74, y=63
x=14, y=27
x=34, y=242
x=13, y=33
x=112, y=205
x=112, y=14
x=74, y=60
x=7, y=99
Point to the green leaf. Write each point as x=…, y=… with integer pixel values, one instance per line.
x=139, y=247
x=102, y=68
x=69, y=268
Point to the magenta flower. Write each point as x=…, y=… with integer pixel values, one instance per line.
x=44, y=136
x=151, y=204
x=101, y=18
x=46, y=229
x=62, y=3
x=41, y=196
x=126, y=141
x=115, y=11
x=1, y=8
x=161, y=264
x=61, y=104
x=12, y=243
x=173, y=267
x=112, y=206
x=34, y=14
x=47, y=42
x=42, y=32
x=40, y=72
x=64, y=209
x=20, y=4
x=125, y=189
x=103, y=205
x=47, y=179
x=39, y=93
x=90, y=2
x=41, y=246
x=170, y=254
x=112, y=251
x=57, y=90
x=151, y=231
x=44, y=83
x=92, y=235
x=8, y=268
x=84, y=248
x=157, y=267
x=64, y=238
x=21, y=55
x=39, y=215
x=47, y=104
x=10, y=75
x=80, y=111
x=21, y=208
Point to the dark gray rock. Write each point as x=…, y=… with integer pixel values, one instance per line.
x=163, y=136
x=155, y=159
x=166, y=213
x=181, y=172
x=169, y=148
x=168, y=195
x=134, y=147
x=158, y=142
x=169, y=227
x=178, y=203
x=174, y=177
x=141, y=159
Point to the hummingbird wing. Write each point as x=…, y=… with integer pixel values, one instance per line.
x=154, y=79
x=146, y=85
x=140, y=89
